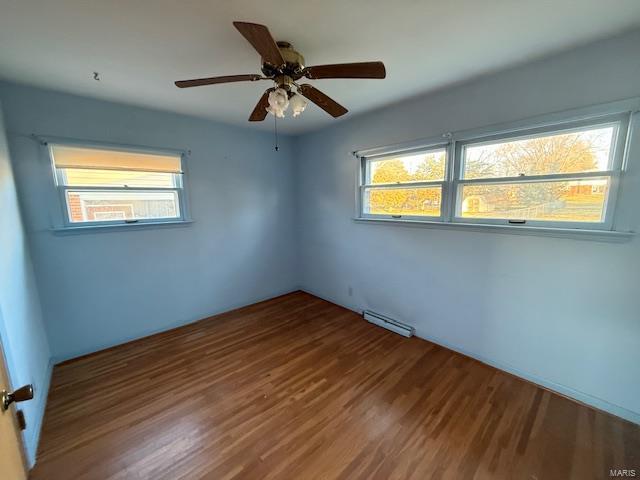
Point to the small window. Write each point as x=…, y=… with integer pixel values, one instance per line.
x=548, y=178
x=100, y=186
x=405, y=185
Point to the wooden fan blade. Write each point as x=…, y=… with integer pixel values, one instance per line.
x=213, y=80
x=326, y=103
x=260, y=38
x=260, y=111
x=347, y=70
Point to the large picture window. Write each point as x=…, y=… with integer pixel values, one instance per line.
x=563, y=175
x=99, y=186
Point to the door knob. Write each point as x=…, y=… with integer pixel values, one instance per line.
x=20, y=395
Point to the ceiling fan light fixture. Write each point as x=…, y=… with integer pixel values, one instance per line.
x=278, y=102
x=284, y=66
x=298, y=104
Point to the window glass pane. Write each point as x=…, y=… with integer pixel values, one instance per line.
x=587, y=150
x=562, y=201
x=96, y=206
x=426, y=166
x=423, y=201
x=77, y=177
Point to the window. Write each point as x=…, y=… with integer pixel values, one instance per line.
x=100, y=186
x=563, y=176
x=405, y=185
x=559, y=177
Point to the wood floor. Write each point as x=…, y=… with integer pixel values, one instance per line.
x=299, y=388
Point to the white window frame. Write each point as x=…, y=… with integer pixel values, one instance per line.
x=61, y=214
x=451, y=188
x=364, y=185
x=620, y=124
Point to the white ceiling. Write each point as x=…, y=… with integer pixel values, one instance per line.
x=141, y=46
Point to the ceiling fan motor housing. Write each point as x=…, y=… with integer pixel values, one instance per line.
x=293, y=67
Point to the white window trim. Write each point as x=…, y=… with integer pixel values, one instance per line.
x=58, y=211
x=622, y=112
x=441, y=183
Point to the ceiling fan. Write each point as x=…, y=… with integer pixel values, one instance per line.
x=282, y=64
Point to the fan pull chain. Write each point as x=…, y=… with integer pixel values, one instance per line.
x=275, y=125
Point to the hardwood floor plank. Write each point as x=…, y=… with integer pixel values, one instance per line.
x=297, y=387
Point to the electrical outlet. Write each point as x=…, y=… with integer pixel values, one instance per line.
x=350, y=290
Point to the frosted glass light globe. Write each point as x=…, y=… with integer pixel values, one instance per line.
x=298, y=104
x=278, y=102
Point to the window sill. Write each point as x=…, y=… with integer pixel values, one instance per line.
x=119, y=227
x=596, y=235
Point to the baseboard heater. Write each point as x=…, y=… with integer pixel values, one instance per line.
x=388, y=323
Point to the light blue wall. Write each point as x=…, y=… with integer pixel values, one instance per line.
x=563, y=312
x=105, y=288
x=22, y=330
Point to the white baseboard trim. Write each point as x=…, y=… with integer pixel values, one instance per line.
x=353, y=308
x=577, y=395
x=147, y=333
